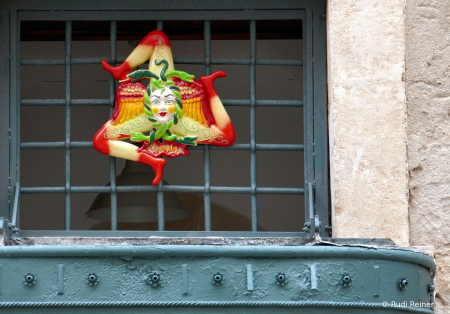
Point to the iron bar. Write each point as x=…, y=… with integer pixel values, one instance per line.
x=89, y=144
x=160, y=193
x=14, y=118
x=254, y=199
x=206, y=153
x=311, y=199
x=308, y=108
x=16, y=204
x=68, y=124
x=213, y=61
x=106, y=102
x=112, y=160
x=164, y=188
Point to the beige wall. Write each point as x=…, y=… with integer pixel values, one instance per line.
x=367, y=119
x=428, y=99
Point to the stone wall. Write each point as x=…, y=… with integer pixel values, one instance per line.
x=367, y=119
x=428, y=99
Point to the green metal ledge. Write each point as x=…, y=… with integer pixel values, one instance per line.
x=323, y=278
x=160, y=251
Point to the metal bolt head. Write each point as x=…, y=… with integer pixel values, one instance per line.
x=431, y=288
x=346, y=280
x=29, y=279
x=153, y=279
x=93, y=279
x=403, y=284
x=281, y=279
x=218, y=279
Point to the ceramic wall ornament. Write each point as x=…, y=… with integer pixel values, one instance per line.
x=173, y=112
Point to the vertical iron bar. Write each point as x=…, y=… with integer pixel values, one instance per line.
x=160, y=194
x=308, y=107
x=254, y=199
x=160, y=200
x=207, y=168
x=15, y=106
x=159, y=25
x=68, y=122
x=112, y=160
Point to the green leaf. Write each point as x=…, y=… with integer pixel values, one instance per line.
x=161, y=131
x=175, y=119
x=179, y=113
x=179, y=103
x=147, y=98
x=140, y=74
x=168, y=132
x=138, y=137
x=177, y=93
x=152, y=119
x=156, y=124
x=148, y=112
x=152, y=135
x=164, y=69
x=174, y=87
x=182, y=75
x=170, y=124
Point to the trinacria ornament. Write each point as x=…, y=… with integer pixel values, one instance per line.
x=173, y=112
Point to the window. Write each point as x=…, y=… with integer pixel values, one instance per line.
x=277, y=104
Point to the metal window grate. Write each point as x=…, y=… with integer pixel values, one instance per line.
x=310, y=105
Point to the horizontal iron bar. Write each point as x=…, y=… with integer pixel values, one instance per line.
x=248, y=251
x=62, y=102
x=107, y=102
x=89, y=144
x=31, y=145
x=160, y=237
x=214, y=61
x=165, y=188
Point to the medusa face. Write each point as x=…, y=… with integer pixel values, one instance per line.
x=163, y=105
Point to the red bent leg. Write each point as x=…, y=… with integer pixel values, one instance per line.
x=117, y=148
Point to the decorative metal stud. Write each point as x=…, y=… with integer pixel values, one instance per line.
x=29, y=279
x=403, y=284
x=93, y=279
x=153, y=279
x=346, y=280
x=281, y=279
x=218, y=279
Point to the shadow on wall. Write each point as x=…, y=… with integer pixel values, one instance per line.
x=46, y=167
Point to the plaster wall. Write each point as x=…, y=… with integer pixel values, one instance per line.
x=367, y=119
x=428, y=99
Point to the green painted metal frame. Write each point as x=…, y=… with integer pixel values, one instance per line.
x=314, y=103
x=314, y=274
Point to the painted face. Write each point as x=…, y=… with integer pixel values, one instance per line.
x=163, y=105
